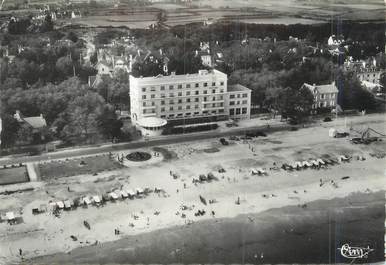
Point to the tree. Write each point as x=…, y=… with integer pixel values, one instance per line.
x=72, y=36
x=295, y=104
x=382, y=81
x=271, y=99
x=94, y=58
x=351, y=93
x=9, y=131
x=185, y=64
x=161, y=18
x=64, y=66
x=108, y=123
x=147, y=69
x=48, y=24
x=83, y=115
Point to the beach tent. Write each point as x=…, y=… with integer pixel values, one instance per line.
x=131, y=193
x=343, y=158
x=261, y=171
x=332, y=133
x=320, y=161
x=52, y=206
x=60, y=204
x=139, y=190
x=68, y=204
x=123, y=194
x=86, y=200
x=10, y=216
x=254, y=171
x=96, y=199
x=113, y=195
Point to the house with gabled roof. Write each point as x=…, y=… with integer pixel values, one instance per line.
x=325, y=96
x=35, y=125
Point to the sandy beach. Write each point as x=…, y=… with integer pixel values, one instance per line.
x=45, y=234
x=282, y=235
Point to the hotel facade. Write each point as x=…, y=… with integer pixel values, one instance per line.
x=181, y=97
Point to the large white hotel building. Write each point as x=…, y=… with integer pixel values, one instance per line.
x=181, y=97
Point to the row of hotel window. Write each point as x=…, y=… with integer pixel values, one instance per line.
x=205, y=92
x=188, y=100
x=189, y=114
x=188, y=107
x=237, y=111
x=180, y=86
x=179, y=94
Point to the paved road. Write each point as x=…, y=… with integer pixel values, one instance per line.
x=162, y=140
x=165, y=140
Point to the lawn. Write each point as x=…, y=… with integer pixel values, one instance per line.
x=73, y=167
x=13, y=175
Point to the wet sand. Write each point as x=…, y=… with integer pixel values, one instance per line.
x=291, y=234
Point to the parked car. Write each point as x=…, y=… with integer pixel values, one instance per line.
x=255, y=134
x=293, y=122
x=223, y=141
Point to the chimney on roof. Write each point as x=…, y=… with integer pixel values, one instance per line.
x=160, y=51
x=17, y=116
x=196, y=52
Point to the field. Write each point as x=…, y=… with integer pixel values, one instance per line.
x=262, y=11
x=13, y=175
x=90, y=165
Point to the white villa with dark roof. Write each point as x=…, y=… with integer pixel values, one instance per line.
x=325, y=96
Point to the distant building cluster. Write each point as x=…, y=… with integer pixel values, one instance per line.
x=368, y=72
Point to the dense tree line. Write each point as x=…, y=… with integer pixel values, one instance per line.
x=27, y=25
x=38, y=62
x=73, y=111
x=372, y=33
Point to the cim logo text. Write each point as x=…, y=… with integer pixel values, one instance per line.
x=355, y=252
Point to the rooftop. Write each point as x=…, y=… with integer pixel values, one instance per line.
x=36, y=122
x=151, y=122
x=323, y=89
x=237, y=87
x=173, y=76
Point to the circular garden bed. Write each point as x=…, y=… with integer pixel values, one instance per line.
x=138, y=156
